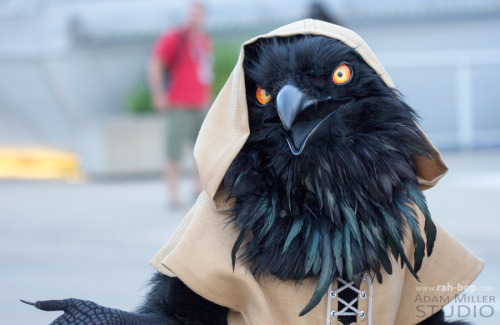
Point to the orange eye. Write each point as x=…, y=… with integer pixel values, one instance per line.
x=342, y=74
x=263, y=96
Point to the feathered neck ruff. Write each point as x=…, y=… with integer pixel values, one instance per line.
x=338, y=210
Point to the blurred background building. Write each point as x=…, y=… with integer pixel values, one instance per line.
x=72, y=72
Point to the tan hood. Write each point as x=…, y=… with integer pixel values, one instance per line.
x=226, y=129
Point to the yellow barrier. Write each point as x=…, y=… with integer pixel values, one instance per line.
x=35, y=163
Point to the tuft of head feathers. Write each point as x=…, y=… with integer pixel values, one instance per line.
x=341, y=208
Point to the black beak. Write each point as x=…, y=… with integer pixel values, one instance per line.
x=303, y=116
x=291, y=101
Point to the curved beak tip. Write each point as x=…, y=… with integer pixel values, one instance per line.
x=290, y=102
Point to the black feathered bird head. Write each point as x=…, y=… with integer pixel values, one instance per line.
x=320, y=90
x=325, y=185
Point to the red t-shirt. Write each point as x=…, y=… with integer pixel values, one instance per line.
x=188, y=59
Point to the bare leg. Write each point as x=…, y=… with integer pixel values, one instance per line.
x=172, y=180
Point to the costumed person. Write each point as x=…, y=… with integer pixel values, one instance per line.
x=180, y=77
x=313, y=168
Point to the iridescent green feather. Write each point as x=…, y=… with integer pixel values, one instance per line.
x=294, y=231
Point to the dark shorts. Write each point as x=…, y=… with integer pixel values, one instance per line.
x=182, y=127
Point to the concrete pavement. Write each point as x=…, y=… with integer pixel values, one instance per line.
x=91, y=241
x=94, y=240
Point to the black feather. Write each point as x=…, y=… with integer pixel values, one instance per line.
x=418, y=241
x=294, y=231
x=325, y=277
x=341, y=207
x=171, y=299
x=430, y=229
x=312, y=250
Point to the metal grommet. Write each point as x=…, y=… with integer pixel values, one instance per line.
x=362, y=295
x=333, y=294
x=361, y=314
x=333, y=313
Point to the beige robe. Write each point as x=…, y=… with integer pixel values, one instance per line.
x=199, y=253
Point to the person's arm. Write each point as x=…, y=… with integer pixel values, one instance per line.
x=168, y=302
x=156, y=82
x=161, y=59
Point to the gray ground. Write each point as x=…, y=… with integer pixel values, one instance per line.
x=94, y=240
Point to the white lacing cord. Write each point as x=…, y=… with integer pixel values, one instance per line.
x=370, y=298
x=333, y=293
x=329, y=306
x=349, y=309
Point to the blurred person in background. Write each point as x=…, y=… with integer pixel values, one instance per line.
x=180, y=76
x=317, y=10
